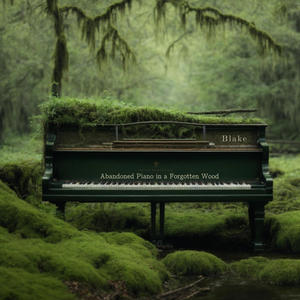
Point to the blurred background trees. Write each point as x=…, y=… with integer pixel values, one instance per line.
x=202, y=72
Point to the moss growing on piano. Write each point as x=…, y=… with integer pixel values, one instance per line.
x=92, y=112
x=36, y=242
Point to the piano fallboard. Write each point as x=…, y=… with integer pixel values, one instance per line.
x=179, y=166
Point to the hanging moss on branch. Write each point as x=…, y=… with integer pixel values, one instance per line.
x=117, y=43
x=210, y=18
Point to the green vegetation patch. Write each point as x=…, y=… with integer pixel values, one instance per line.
x=284, y=231
x=39, y=243
x=208, y=226
x=21, y=166
x=27, y=221
x=190, y=262
x=110, y=217
x=24, y=177
x=275, y=272
x=17, y=283
x=286, y=173
x=91, y=112
x=205, y=225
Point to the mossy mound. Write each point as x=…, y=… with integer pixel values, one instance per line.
x=91, y=112
x=36, y=243
x=284, y=231
x=286, y=172
x=23, y=219
x=190, y=262
x=17, y=283
x=275, y=272
x=110, y=217
x=208, y=228
x=24, y=177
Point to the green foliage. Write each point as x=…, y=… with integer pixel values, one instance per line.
x=211, y=18
x=23, y=219
x=275, y=272
x=284, y=230
x=286, y=171
x=190, y=262
x=24, y=178
x=110, y=217
x=88, y=112
x=17, y=283
x=208, y=226
x=36, y=243
x=249, y=267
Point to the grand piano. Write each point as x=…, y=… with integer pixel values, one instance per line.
x=219, y=163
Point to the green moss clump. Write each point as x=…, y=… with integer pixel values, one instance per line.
x=36, y=242
x=275, y=272
x=91, y=112
x=286, y=184
x=17, y=283
x=23, y=219
x=209, y=229
x=249, y=267
x=110, y=217
x=190, y=262
x=191, y=224
x=24, y=177
x=284, y=231
x=130, y=240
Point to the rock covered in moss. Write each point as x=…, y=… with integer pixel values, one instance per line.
x=189, y=262
x=271, y=271
x=284, y=230
x=36, y=242
x=24, y=177
x=17, y=283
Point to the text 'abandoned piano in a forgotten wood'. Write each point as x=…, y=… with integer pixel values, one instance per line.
x=224, y=163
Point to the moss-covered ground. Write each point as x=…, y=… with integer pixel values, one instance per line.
x=35, y=243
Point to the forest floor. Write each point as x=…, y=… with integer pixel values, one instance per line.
x=102, y=250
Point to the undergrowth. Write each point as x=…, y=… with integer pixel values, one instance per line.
x=190, y=262
x=270, y=271
x=37, y=243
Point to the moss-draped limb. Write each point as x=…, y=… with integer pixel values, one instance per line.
x=89, y=26
x=117, y=43
x=210, y=18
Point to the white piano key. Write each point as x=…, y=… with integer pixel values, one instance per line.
x=156, y=186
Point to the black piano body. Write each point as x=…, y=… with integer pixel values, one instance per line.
x=219, y=163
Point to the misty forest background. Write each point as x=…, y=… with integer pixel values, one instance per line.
x=204, y=71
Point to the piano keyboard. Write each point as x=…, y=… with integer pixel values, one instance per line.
x=133, y=186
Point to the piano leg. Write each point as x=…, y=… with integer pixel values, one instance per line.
x=161, y=220
x=158, y=240
x=60, y=209
x=153, y=221
x=256, y=221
